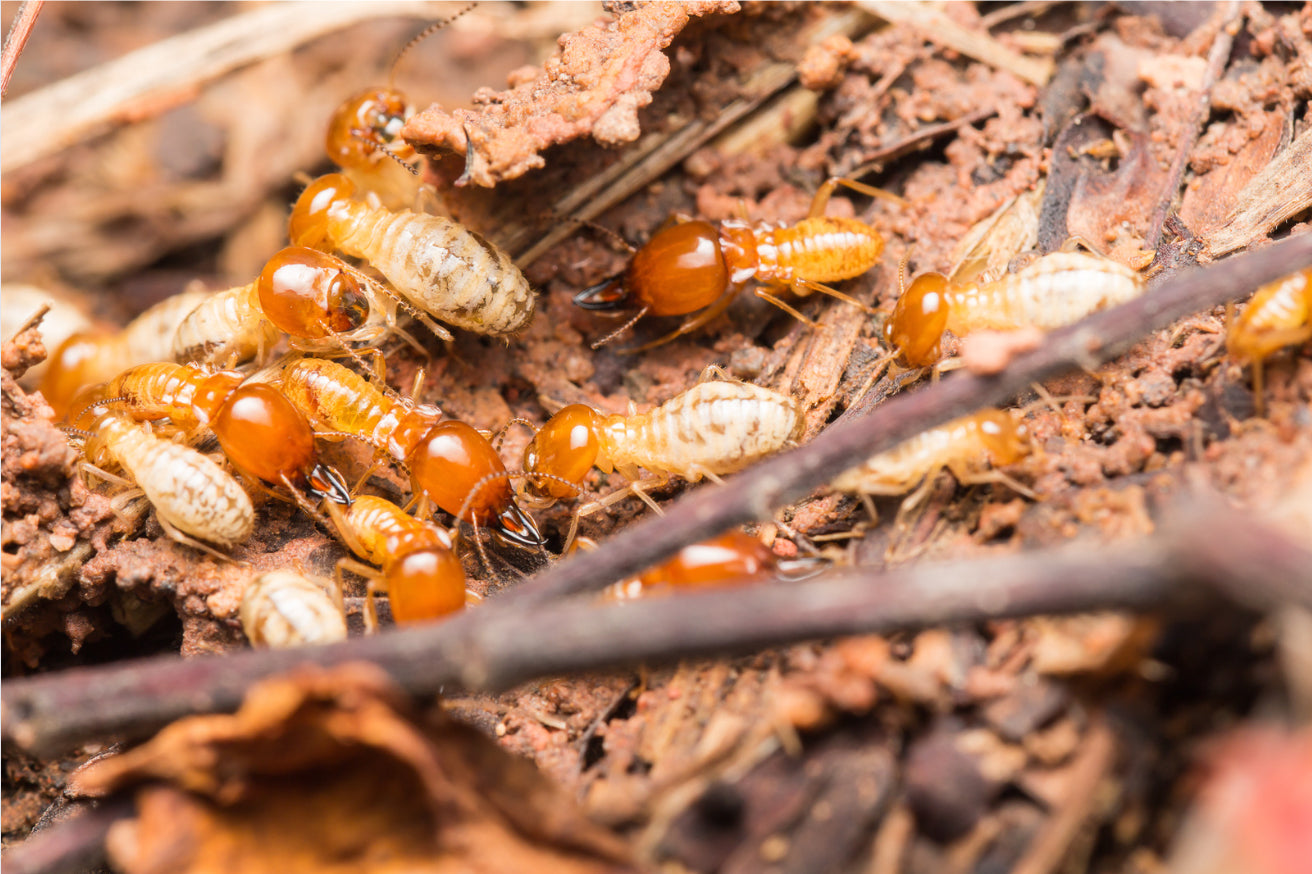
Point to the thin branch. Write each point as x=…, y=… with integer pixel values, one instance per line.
x=495, y=648
x=66, y=708
x=157, y=77
x=70, y=846
x=1229, y=17
x=19, y=31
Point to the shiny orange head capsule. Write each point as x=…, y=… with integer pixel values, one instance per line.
x=915, y=329
x=425, y=584
x=364, y=125
x=680, y=270
x=308, y=225
x=735, y=556
x=565, y=447
x=1005, y=441
x=262, y=433
x=66, y=374
x=311, y=294
x=460, y=471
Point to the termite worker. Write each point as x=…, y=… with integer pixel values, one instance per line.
x=193, y=497
x=1279, y=314
x=282, y=609
x=444, y=269
x=263, y=434
x=322, y=303
x=420, y=571
x=713, y=428
x=1056, y=290
x=86, y=359
x=733, y=557
x=449, y=462
x=364, y=135
x=696, y=266
x=967, y=447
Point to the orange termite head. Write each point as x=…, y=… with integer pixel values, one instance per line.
x=311, y=294
x=915, y=329
x=265, y=435
x=1006, y=441
x=425, y=584
x=67, y=372
x=308, y=225
x=679, y=271
x=460, y=472
x=565, y=448
x=732, y=557
x=363, y=126
x=213, y=391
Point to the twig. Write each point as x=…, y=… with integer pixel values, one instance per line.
x=65, y=708
x=19, y=31
x=494, y=648
x=1228, y=17
x=70, y=846
x=154, y=78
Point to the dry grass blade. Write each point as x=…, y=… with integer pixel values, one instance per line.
x=154, y=78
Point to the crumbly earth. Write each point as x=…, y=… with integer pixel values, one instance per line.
x=948, y=750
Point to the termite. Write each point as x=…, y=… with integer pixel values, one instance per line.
x=968, y=447
x=282, y=609
x=444, y=269
x=1279, y=314
x=1057, y=289
x=729, y=558
x=193, y=497
x=86, y=359
x=449, y=462
x=697, y=267
x=322, y=303
x=263, y=434
x=364, y=134
x=420, y=571
x=715, y=427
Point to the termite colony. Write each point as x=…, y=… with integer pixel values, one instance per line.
x=279, y=367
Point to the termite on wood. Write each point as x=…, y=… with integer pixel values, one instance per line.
x=697, y=267
x=444, y=269
x=1279, y=314
x=282, y=609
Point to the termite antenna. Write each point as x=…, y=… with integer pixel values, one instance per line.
x=420, y=37
x=500, y=435
x=621, y=329
x=606, y=232
x=410, y=168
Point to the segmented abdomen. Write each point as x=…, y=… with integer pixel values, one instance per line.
x=1278, y=314
x=386, y=532
x=228, y=327
x=901, y=468
x=282, y=608
x=443, y=268
x=153, y=391
x=823, y=249
x=1056, y=290
x=188, y=490
x=714, y=427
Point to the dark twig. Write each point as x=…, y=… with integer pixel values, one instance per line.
x=69, y=846
x=19, y=31
x=494, y=649
x=1229, y=15
x=60, y=709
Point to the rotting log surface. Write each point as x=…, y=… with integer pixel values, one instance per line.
x=57, y=710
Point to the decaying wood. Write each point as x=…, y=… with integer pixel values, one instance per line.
x=1279, y=192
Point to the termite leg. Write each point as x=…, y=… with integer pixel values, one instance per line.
x=1259, y=388
x=832, y=292
x=89, y=468
x=176, y=535
x=767, y=296
x=372, y=587
x=995, y=477
x=718, y=306
x=1076, y=241
x=714, y=373
x=826, y=190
